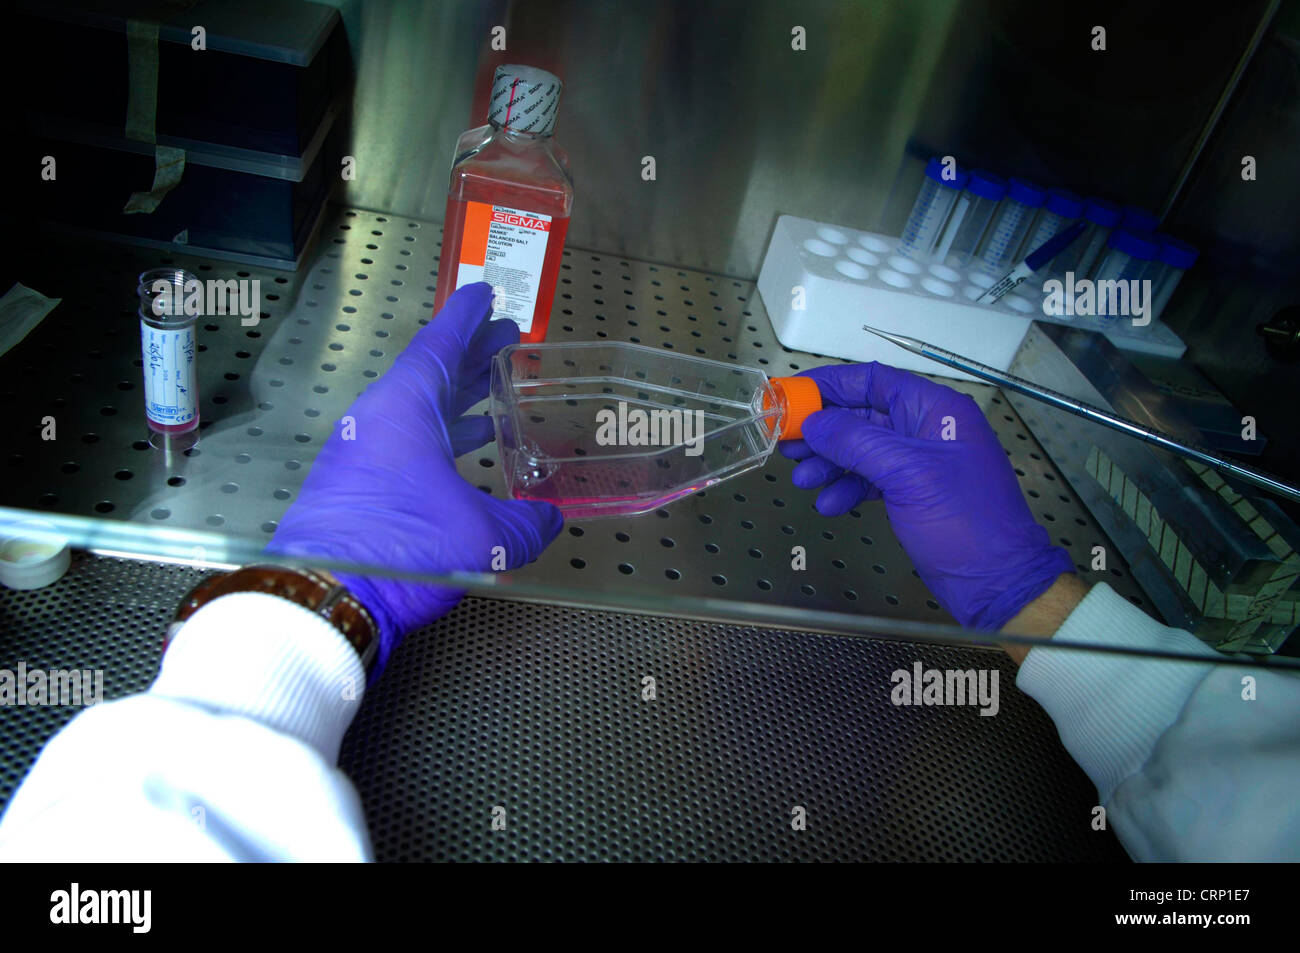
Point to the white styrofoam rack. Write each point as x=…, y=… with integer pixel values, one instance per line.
x=850, y=278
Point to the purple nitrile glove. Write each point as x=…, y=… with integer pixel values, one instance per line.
x=954, y=503
x=390, y=497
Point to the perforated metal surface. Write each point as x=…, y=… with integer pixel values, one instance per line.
x=270, y=396
x=539, y=710
x=104, y=614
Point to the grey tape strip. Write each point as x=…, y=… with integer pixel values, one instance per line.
x=142, y=80
x=169, y=164
x=142, y=106
x=21, y=309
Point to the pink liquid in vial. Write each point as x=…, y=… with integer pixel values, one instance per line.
x=172, y=429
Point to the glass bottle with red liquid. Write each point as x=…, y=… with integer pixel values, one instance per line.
x=508, y=203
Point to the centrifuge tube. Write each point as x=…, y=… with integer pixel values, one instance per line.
x=966, y=227
x=1082, y=256
x=170, y=301
x=1128, y=256
x=1059, y=213
x=1011, y=224
x=942, y=184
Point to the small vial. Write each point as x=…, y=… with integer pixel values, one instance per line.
x=1011, y=224
x=1060, y=211
x=1173, y=261
x=1138, y=219
x=965, y=228
x=170, y=302
x=1083, y=255
x=930, y=211
x=1128, y=256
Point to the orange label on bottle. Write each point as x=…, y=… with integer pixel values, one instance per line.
x=506, y=248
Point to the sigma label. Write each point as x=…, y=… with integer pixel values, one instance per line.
x=505, y=247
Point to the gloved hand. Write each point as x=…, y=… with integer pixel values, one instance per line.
x=391, y=497
x=954, y=503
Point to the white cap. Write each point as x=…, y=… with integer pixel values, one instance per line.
x=524, y=99
x=32, y=554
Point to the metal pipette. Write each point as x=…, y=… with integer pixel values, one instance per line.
x=1088, y=412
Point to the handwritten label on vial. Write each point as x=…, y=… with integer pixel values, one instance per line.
x=170, y=394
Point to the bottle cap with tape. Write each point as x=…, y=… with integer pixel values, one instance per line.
x=524, y=99
x=798, y=399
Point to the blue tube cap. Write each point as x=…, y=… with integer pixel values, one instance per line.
x=935, y=168
x=1106, y=214
x=1063, y=203
x=1141, y=245
x=1026, y=193
x=1175, y=253
x=1139, y=219
x=986, y=185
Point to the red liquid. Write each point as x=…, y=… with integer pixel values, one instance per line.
x=448, y=262
x=172, y=429
x=523, y=176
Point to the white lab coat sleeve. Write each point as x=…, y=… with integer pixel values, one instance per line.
x=230, y=755
x=1192, y=761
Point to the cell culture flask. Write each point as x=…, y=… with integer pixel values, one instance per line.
x=613, y=429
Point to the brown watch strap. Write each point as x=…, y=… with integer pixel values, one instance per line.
x=329, y=600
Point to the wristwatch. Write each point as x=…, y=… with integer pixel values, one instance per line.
x=324, y=596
